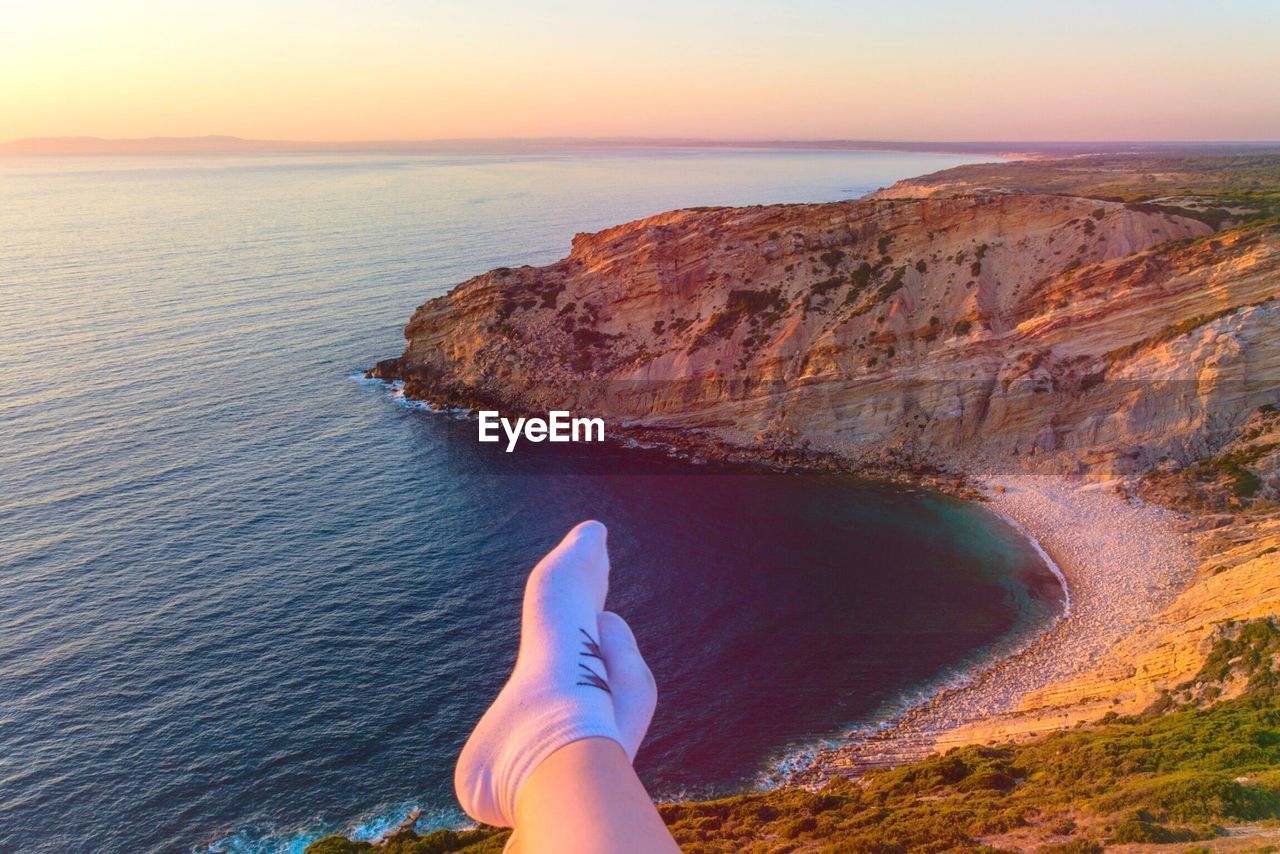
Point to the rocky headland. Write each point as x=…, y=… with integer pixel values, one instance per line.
x=1065, y=334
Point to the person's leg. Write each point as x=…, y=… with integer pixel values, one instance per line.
x=579, y=686
x=586, y=798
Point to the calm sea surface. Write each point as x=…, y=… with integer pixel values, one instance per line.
x=246, y=599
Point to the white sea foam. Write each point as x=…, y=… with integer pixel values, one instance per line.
x=368, y=828
x=1044, y=555
x=361, y=378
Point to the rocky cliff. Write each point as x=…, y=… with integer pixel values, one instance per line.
x=998, y=329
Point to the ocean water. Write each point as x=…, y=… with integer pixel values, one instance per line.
x=247, y=598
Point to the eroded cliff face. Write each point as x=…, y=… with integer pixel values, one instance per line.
x=997, y=330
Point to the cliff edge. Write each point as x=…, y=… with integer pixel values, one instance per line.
x=1061, y=333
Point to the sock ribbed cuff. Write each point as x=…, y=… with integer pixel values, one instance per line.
x=536, y=751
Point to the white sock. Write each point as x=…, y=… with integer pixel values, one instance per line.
x=578, y=675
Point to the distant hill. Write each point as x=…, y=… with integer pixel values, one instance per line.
x=151, y=145
x=223, y=144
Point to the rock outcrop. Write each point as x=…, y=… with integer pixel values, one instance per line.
x=999, y=330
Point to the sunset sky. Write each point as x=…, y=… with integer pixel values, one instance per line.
x=802, y=69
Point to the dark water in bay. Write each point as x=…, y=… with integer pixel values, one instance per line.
x=246, y=599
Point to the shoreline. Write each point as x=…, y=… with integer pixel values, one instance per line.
x=1122, y=564
x=1048, y=561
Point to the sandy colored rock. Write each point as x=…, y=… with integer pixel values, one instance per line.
x=1065, y=334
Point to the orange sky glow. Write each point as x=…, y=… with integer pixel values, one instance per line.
x=397, y=69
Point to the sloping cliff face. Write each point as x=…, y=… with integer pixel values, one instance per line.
x=1018, y=330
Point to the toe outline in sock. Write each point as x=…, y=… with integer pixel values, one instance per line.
x=590, y=678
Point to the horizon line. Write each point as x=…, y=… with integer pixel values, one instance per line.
x=231, y=144
x=639, y=137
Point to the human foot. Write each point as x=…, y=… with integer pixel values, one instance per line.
x=578, y=675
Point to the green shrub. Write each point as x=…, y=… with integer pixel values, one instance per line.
x=826, y=285
x=1075, y=846
x=861, y=276
x=1139, y=831
x=741, y=303
x=337, y=845
x=832, y=258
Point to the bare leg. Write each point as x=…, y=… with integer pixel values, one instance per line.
x=586, y=799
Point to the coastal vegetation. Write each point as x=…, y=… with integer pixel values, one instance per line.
x=760, y=306
x=1187, y=768
x=1230, y=481
x=1215, y=190
x=882, y=293
x=1169, y=333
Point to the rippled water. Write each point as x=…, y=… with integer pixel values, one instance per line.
x=246, y=599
